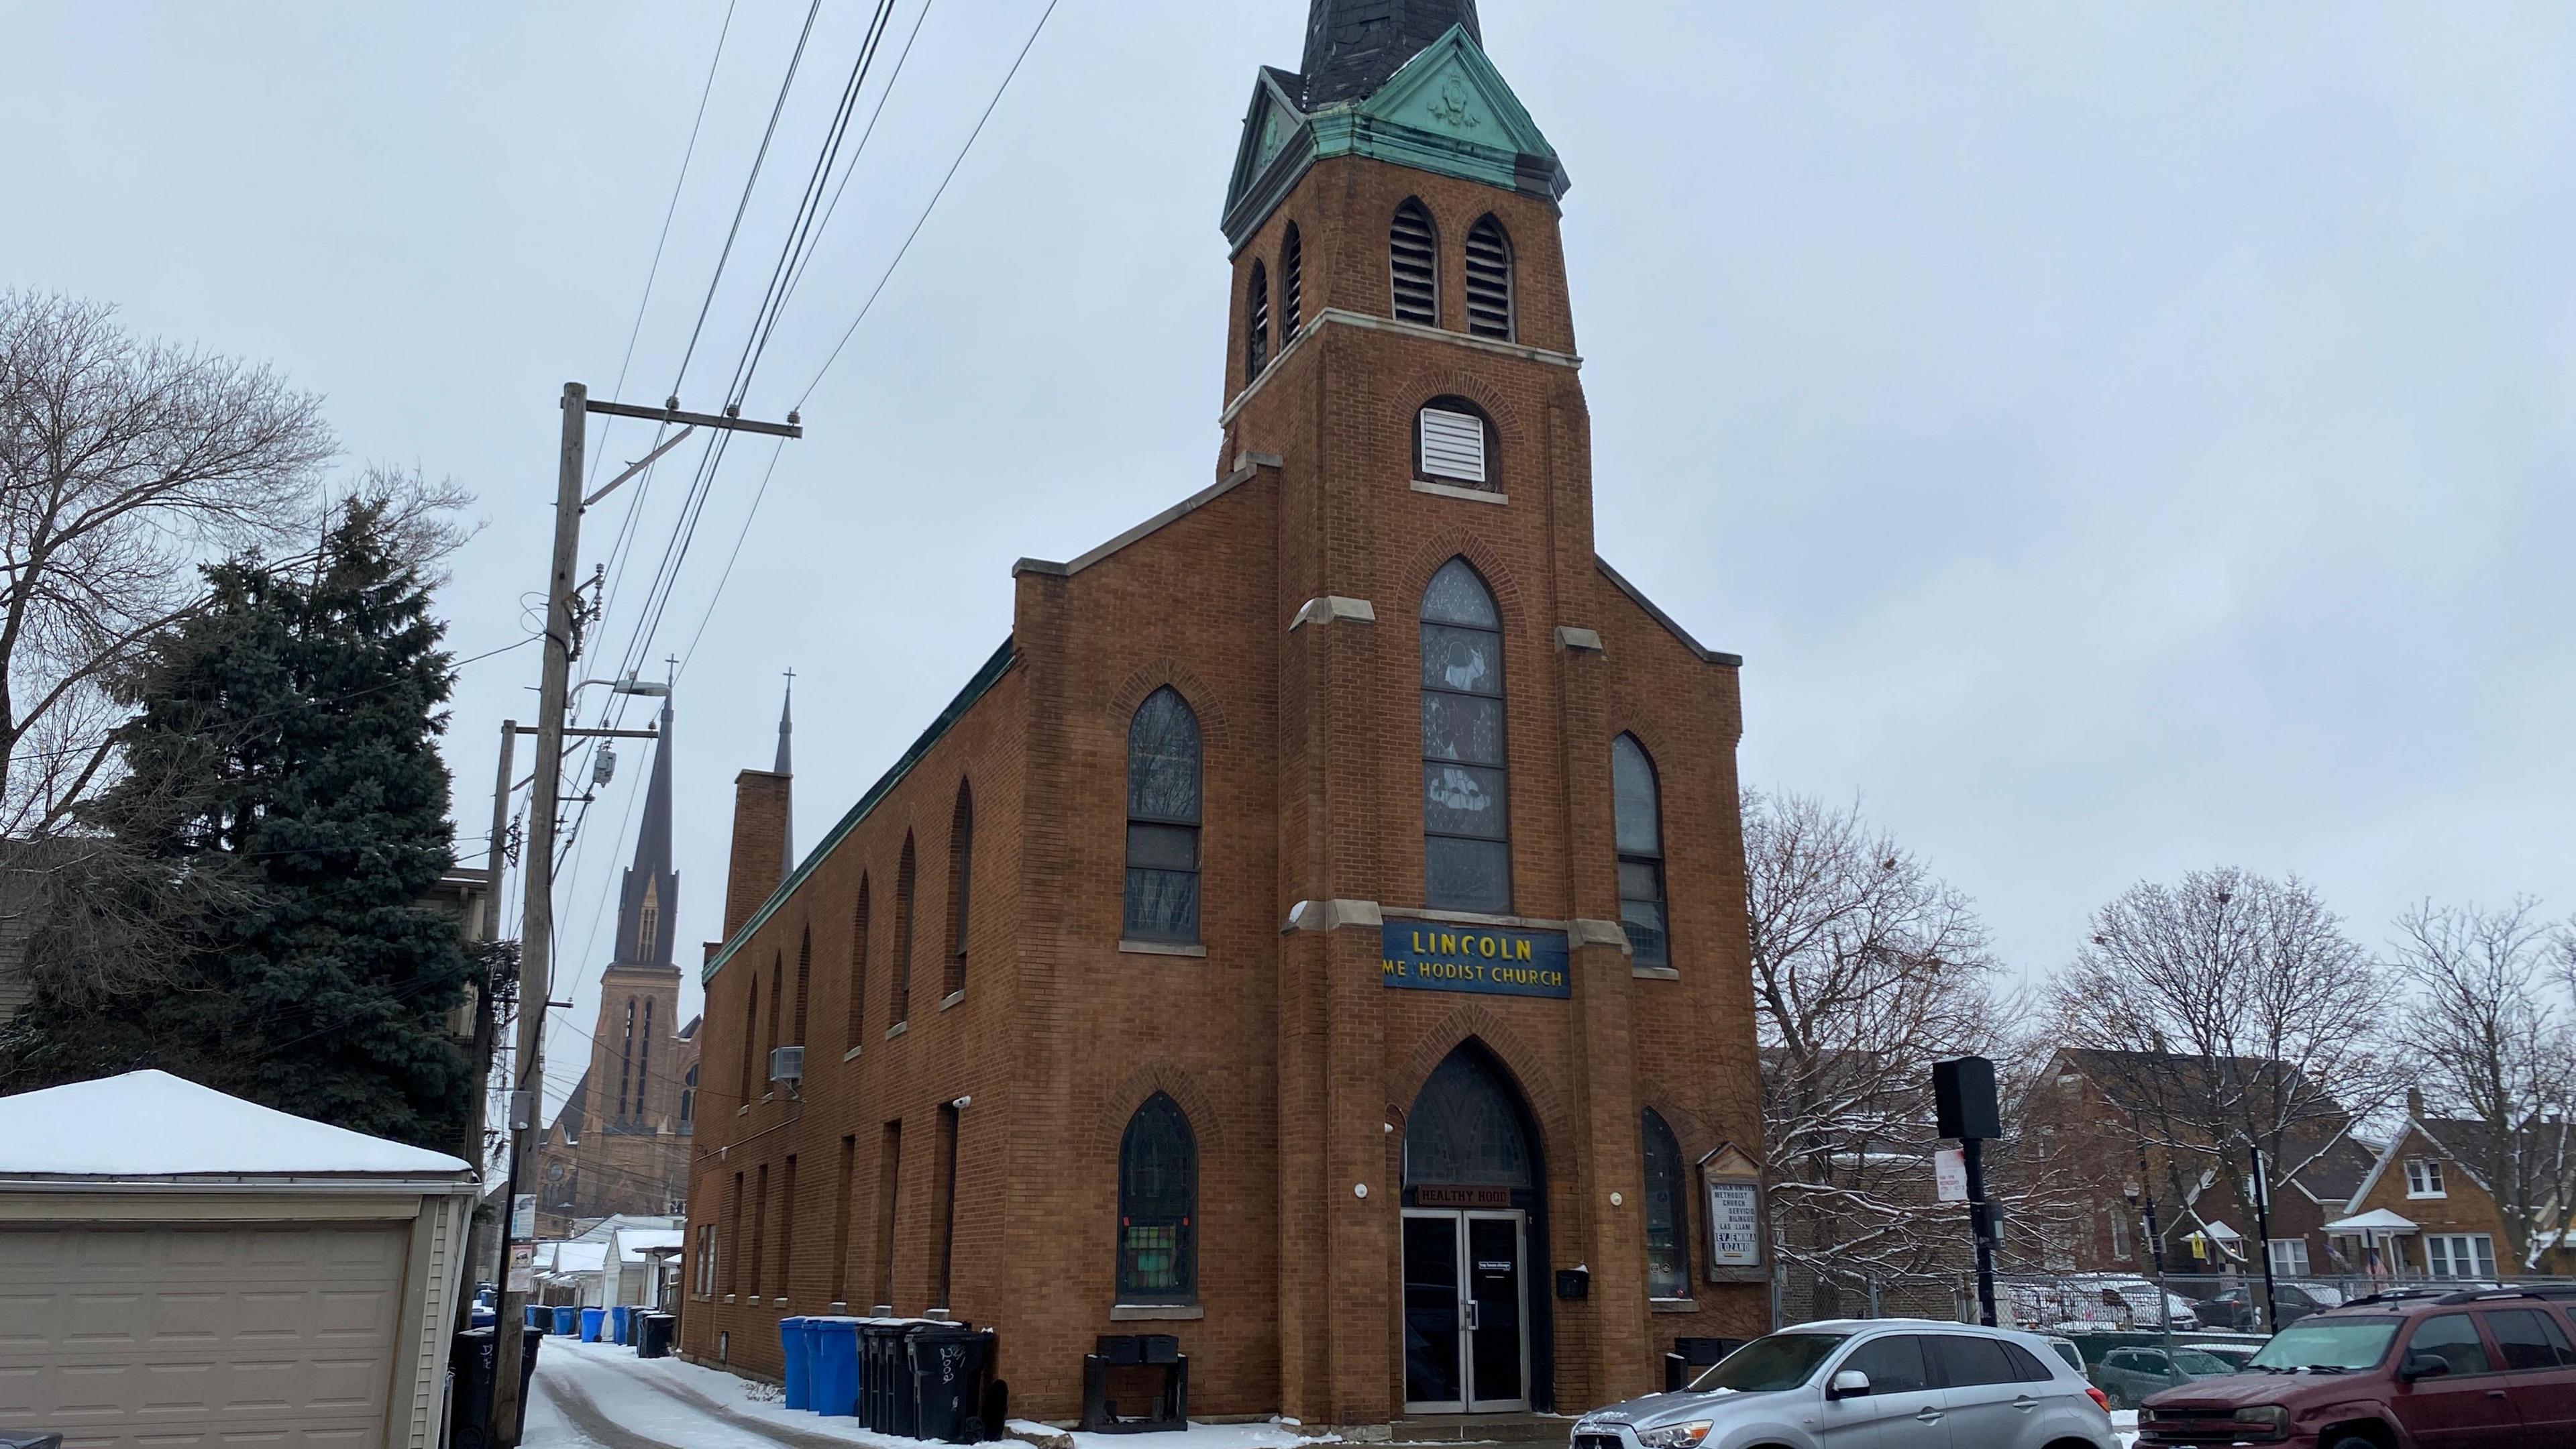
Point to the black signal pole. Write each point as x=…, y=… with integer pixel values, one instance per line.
x=1963, y=1099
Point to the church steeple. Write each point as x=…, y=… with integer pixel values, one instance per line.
x=1354, y=46
x=648, y=904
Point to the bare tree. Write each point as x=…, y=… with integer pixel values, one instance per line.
x=2229, y=1012
x=2494, y=1043
x=123, y=463
x=1866, y=970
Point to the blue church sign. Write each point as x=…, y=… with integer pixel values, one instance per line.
x=1492, y=960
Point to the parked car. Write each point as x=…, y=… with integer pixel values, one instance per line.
x=2241, y=1307
x=2466, y=1369
x=2138, y=1296
x=1857, y=1384
x=2065, y=1349
x=2234, y=1355
x=2128, y=1375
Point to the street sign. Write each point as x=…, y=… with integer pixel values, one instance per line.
x=1950, y=1174
x=523, y=1268
x=523, y=1218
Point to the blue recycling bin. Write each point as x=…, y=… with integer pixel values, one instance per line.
x=621, y=1321
x=836, y=1366
x=799, y=1347
x=567, y=1321
x=591, y=1319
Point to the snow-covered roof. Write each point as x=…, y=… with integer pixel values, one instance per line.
x=571, y=1257
x=632, y=1243
x=2377, y=1220
x=150, y=1124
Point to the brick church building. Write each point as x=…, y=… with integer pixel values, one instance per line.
x=1318, y=930
x=621, y=1143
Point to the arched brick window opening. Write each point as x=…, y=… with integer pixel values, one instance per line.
x=1158, y=1198
x=1453, y=442
x=1413, y=264
x=1163, y=813
x=804, y=981
x=858, y=967
x=750, y=1038
x=1292, y=286
x=689, y=1103
x=1637, y=805
x=1466, y=824
x=899, y=1006
x=961, y=884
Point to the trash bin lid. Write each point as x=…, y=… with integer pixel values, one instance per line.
x=29, y=1439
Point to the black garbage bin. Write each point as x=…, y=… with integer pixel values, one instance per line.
x=527, y=1364
x=470, y=1360
x=654, y=1335
x=948, y=1362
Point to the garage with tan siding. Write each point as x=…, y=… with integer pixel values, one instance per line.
x=179, y=1267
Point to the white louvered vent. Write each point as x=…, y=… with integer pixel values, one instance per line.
x=1489, y=281
x=1453, y=446
x=1258, y=352
x=1413, y=257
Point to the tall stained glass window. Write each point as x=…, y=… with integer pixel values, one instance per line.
x=1466, y=848
x=1667, y=1226
x=1163, y=821
x=1638, y=805
x=1158, y=1200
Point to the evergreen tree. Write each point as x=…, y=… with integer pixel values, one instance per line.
x=284, y=786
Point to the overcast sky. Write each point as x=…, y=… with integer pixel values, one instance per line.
x=2120, y=439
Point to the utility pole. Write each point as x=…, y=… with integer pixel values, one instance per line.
x=537, y=860
x=2155, y=1237
x=2263, y=1236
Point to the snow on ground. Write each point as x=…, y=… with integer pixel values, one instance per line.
x=601, y=1396
x=2124, y=1422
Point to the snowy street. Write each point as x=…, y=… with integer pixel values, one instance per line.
x=600, y=1396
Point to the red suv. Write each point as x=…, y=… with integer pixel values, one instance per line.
x=2393, y=1371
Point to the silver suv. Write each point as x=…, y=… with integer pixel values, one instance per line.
x=1882, y=1383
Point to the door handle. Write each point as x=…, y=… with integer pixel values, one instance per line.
x=1474, y=1320
x=1927, y=1415
x=2025, y=1403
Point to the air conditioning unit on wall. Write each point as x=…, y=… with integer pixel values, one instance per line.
x=787, y=1064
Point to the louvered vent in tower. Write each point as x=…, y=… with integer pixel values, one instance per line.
x=1413, y=255
x=1292, y=286
x=1257, y=353
x=1489, y=281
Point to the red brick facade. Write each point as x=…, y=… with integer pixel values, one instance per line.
x=1294, y=1063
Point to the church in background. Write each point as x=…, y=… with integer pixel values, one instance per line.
x=621, y=1143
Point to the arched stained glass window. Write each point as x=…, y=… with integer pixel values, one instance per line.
x=1465, y=1129
x=1667, y=1216
x=1163, y=809
x=1639, y=811
x=1158, y=1200
x=689, y=1103
x=1466, y=849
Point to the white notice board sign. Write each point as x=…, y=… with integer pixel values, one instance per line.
x=1950, y=1174
x=1734, y=1223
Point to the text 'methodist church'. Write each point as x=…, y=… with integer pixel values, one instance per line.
x=1318, y=931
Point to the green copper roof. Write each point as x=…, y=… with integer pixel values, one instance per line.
x=1446, y=111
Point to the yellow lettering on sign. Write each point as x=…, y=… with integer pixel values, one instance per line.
x=1523, y=953
x=1485, y=945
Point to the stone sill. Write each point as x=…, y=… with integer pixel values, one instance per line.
x=898, y=1029
x=852, y=1054
x=1161, y=948
x=1460, y=491
x=1672, y=1305
x=1156, y=1313
x=951, y=999
x=1655, y=973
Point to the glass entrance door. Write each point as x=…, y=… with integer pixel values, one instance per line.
x=1466, y=1342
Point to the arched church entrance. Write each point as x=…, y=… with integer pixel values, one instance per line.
x=1476, y=1322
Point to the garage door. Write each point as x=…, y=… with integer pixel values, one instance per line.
x=277, y=1335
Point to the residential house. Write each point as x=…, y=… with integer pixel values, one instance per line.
x=2428, y=1207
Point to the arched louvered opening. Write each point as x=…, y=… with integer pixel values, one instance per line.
x=1413, y=261
x=644, y=1066
x=1489, y=280
x=1292, y=286
x=626, y=1066
x=1256, y=355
